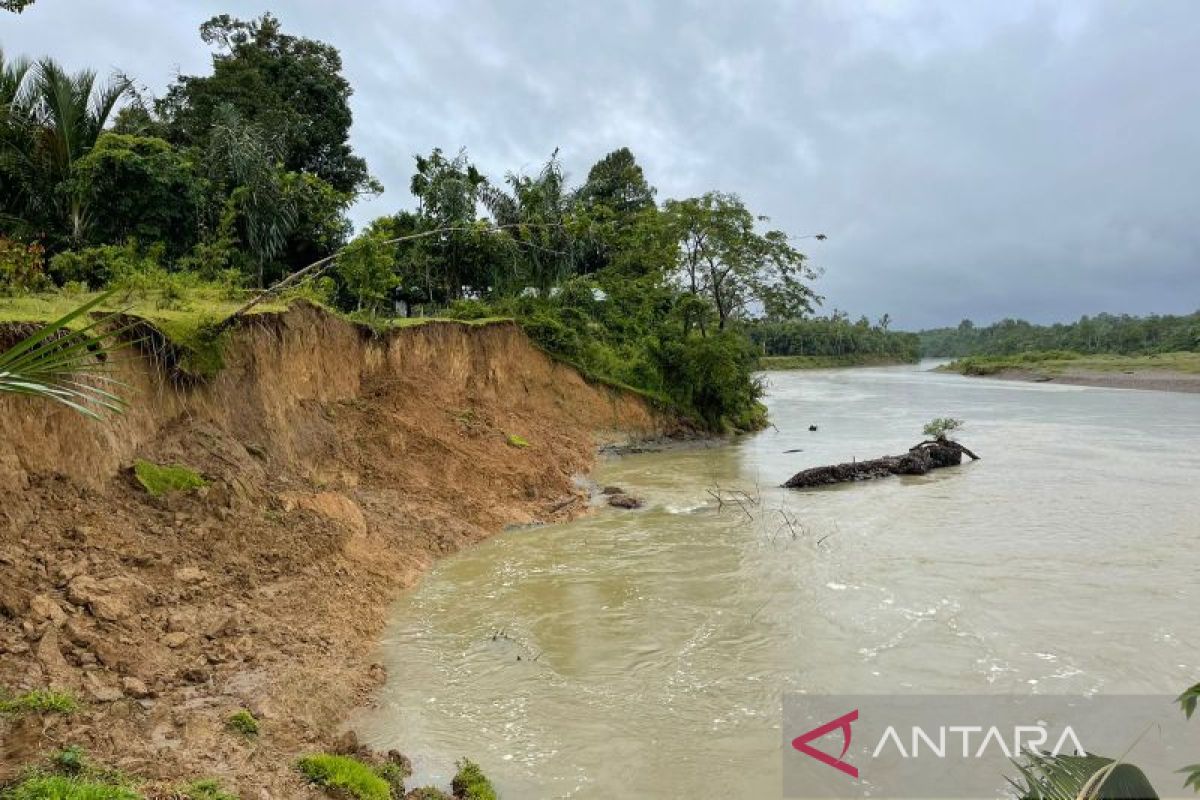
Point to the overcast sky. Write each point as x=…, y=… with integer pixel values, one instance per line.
x=966, y=159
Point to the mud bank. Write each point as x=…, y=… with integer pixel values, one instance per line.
x=1155, y=380
x=339, y=465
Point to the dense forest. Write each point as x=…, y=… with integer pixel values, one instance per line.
x=231, y=181
x=834, y=336
x=1103, y=333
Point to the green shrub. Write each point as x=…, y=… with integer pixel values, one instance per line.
x=517, y=441
x=58, y=787
x=158, y=480
x=470, y=783
x=243, y=722
x=71, y=760
x=207, y=789
x=345, y=775
x=40, y=701
x=469, y=309
x=942, y=427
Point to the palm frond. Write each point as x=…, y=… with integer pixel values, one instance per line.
x=1075, y=777
x=67, y=365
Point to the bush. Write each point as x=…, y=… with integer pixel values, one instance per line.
x=207, y=789
x=470, y=783
x=243, y=722
x=942, y=427
x=345, y=775
x=22, y=267
x=40, y=701
x=713, y=375
x=158, y=480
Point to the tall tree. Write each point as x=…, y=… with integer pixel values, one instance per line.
x=280, y=82
x=725, y=260
x=53, y=119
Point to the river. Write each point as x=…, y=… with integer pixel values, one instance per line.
x=643, y=654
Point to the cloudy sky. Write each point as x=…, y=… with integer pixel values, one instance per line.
x=966, y=159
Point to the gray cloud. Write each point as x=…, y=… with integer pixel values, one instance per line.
x=966, y=159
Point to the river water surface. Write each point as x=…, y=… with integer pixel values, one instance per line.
x=643, y=654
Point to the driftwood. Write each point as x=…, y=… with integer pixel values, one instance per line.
x=918, y=460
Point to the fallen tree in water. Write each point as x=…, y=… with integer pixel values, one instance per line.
x=927, y=455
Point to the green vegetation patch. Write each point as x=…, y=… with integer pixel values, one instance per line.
x=518, y=441
x=830, y=362
x=470, y=783
x=207, y=789
x=58, y=787
x=346, y=776
x=159, y=480
x=40, y=701
x=243, y=722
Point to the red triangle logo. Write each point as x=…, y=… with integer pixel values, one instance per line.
x=801, y=743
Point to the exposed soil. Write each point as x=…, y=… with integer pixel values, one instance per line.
x=1155, y=379
x=339, y=466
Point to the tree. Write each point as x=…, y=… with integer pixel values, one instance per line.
x=243, y=156
x=366, y=268
x=140, y=188
x=287, y=84
x=724, y=259
x=447, y=191
x=16, y=6
x=617, y=181
x=52, y=120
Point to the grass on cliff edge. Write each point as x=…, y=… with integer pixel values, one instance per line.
x=159, y=480
x=59, y=787
x=343, y=776
x=1055, y=362
x=187, y=318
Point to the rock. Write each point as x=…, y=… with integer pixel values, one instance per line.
x=346, y=744
x=608, y=490
x=50, y=656
x=175, y=640
x=101, y=691
x=108, y=608
x=13, y=601
x=181, y=620
x=624, y=501
x=195, y=675
x=135, y=687
x=44, y=607
x=189, y=575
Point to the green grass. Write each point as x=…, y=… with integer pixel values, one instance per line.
x=243, y=722
x=1055, y=362
x=158, y=480
x=827, y=362
x=207, y=789
x=58, y=787
x=515, y=440
x=345, y=776
x=470, y=783
x=40, y=701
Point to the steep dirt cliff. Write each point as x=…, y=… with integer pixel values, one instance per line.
x=339, y=464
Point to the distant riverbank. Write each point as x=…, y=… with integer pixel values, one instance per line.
x=1169, y=372
x=829, y=362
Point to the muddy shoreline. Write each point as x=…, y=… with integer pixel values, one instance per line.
x=1152, y=380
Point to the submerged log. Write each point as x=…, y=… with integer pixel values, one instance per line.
x=918, y=460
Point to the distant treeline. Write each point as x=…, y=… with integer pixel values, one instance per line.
x=1103, y=333
x=834, y=336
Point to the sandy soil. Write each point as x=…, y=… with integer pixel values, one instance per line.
x=339, y=465
x=1154, y=379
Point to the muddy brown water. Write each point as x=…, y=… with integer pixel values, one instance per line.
x=643, y=654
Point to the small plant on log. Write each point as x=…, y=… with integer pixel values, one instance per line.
x=942, y=427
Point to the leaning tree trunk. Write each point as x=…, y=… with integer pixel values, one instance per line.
x=917, y=461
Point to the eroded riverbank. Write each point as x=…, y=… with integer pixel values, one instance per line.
x=339, y=465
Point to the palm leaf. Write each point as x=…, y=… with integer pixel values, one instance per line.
x=67, y=365
x=1074, y=777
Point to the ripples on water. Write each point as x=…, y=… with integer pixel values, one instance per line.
x=643, y=654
